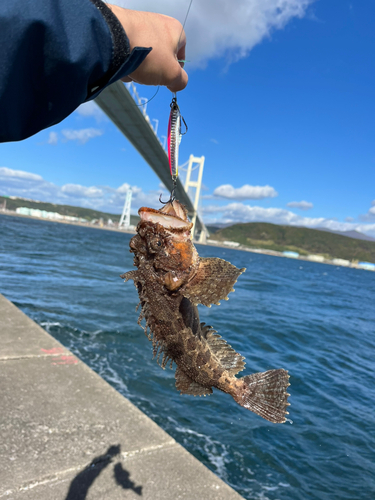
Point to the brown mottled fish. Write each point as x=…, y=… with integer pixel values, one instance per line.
x=172, y=280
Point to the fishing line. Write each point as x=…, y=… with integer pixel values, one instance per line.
x=183, y=26
x=143, y=103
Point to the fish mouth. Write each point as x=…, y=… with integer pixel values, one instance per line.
x=173, y=216
x=175, y=209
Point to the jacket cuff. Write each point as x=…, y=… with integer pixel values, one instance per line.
x=123, y=61
x=137, y=56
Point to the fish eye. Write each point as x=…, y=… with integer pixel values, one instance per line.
x=155, y=244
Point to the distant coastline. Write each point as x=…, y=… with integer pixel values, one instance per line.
x=299, y=242
x=274, y=253
x=215, y=243
x=71, y=223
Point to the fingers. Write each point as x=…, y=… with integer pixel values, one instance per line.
x=167, y=38
x=181, y=46
x=175, y=77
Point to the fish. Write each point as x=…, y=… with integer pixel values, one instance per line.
x=172, y=280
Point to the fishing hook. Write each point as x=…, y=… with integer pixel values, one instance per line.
x=172, y=195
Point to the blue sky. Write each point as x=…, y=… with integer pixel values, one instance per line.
x=280, y=101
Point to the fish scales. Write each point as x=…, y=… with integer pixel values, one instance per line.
x=171, y=280
x=176, y=335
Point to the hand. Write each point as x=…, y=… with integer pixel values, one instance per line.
x=162, y=33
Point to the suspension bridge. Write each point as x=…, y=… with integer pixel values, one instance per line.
x=128, y=113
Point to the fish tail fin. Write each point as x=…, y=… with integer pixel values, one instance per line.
x=265, y=394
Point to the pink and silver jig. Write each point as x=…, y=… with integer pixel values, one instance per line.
x=174, y=137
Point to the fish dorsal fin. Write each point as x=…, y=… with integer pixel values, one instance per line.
x=187, y=386
x=230, y=360
x=212, y=282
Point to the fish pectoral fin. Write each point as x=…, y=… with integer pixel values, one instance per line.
x=205, y=330
x=230, y=360
x=212, y=282
x=187, y=386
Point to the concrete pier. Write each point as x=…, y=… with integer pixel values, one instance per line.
x=65, y=434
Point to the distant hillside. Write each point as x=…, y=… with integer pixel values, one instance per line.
x=298, y=239
x=85, y=213
x=212, y=229
x=350, y=234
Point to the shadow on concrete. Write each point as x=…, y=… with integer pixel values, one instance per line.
x=81, y=484
x=122, y=478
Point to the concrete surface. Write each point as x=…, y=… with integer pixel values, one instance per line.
x=65, y=434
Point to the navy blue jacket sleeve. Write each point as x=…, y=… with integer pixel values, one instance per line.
x=55, y=55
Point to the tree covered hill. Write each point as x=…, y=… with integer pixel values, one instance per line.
x=298, y=239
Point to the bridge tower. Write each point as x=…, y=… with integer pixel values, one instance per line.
x=193, y=164
x=125, y=217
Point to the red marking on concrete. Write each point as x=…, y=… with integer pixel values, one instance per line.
x=65, y=360
x=54, y=350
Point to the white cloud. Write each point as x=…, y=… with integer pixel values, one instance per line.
x=245, y=192
x=224, y=27
x=78, y=191
x=370, y=214
x=139, y=197
x=18, y=174
x=25, y=184
x=53, y=138
x=105, y=198
x=81, y=135
x=302, y=205
x=123, y=189
x=90, y=108
x=239, y=212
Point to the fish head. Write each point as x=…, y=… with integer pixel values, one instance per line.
x=164, y=237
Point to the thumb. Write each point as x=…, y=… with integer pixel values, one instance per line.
x=179, y=80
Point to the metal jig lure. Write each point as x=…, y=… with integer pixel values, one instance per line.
x=174, y=138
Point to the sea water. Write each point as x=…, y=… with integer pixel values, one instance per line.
x=315, y=320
